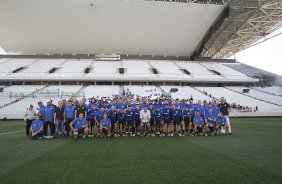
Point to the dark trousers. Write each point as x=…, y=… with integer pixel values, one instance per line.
x=104, y=132
x=67, y=127
x=39, y=134
x=52, y=127
x=27, y=126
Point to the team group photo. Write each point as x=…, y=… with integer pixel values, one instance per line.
x=115, y=118
x=140, y=92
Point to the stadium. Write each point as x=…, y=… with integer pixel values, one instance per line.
x=137, y=91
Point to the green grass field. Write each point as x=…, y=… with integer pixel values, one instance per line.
x=253, y=154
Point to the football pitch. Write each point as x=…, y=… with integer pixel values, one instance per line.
x=253, y=154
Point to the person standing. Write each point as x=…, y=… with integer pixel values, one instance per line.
x=224, y=108
x=145, y=117
x=40, y=110
x=68, y=117
x=49, y=119
x=81, y=108
x=59, y=115
x=29, y=116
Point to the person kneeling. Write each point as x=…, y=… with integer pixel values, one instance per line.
x=79, y=127
x=221, y=125
x=36, y=128
x=198, y=124
x=210, y=123
x=105, y=126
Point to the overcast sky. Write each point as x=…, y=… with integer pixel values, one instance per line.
x=266, y=55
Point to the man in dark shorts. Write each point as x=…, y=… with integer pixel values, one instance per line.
x=166, y=119
x=79, y=126
x=90, y=119
x=175, y=121
x=112, y=114
x=130, y=127
x=158, y=115
x=105, y=126
x=136, y=119
x=68, y=117
x=199, y=124
x=210, y=123
x=187, y=120
x=120, y=125
x=36, y=128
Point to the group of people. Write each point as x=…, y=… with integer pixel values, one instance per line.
x=116, y=117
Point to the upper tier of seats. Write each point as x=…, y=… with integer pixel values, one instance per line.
x=133, y=70
x=259, y=95
x=240, y=99
x=274, y=90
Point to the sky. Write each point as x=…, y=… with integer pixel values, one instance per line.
x=266, y=55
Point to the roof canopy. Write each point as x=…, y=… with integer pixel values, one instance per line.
x=104, y=26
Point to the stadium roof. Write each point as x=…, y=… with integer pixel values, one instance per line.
x=248, y=21
x=208, y=28
x=133, y=27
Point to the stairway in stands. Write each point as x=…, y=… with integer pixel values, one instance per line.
x=26, y=96
x=163, y=91
x=213, y=97
x=78, y=93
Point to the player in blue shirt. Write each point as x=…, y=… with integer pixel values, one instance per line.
x=79, y=126
x=105, y=126
x=90, y=119
x=206, y=107
x=109, y=105
x=177, y=104
x=36, y=128
x=121, y=122
x=136, y=119
x=215, y=109
x=198, y=122
x=68, y=117
x=41, y=110
x=119, y=105
x=166, y=119
x=152, y=120
x=91, y=103
x=130, y=127
x=97, y=118
x=187, y=120
x=221, y=124
x=210, y=123
x=192, y=108
x=49, y=119
x=200, y=108
x=183, y=104
x=174, y=116
x=113, y=116
x=158, y=115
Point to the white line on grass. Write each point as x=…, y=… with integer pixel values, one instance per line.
x=7, y=133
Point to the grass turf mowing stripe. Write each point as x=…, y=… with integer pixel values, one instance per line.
x=137, y=160
x=17, y=149
x=10, y=126
x=8, y=133
x=250, y=155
